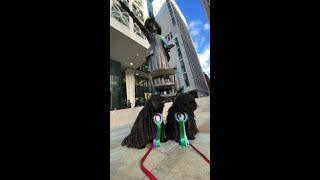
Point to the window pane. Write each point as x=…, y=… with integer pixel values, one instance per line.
x=177, y=42
x=179, y=53
x=182, y=66
x=173, y=22
x=169, y=7
x=186, y=80
x=115, y=89
x=171, y=14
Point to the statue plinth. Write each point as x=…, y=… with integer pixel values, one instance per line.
x=161, y=82
x=163, y=72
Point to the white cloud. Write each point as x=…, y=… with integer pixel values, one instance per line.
x=195, y=23
x=197, y=30
x=202, y=40
x=206, y=27
x=195, y=27
x=198, y=42
x=204, y=58
x=196, y=45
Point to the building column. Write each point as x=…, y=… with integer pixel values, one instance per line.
x=130, y=86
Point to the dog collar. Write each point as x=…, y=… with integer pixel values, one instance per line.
x=182, y=116
x=157, y=118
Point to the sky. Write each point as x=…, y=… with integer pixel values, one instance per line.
x=199, y=30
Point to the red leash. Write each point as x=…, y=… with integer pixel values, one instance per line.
x=204, y=157
x=145, y=170
x=149, y=174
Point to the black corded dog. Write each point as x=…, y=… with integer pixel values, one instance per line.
x=183, y=103
x=144, y=127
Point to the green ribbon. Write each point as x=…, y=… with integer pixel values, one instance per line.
x=182, y=118
x=182, y=134
x=165, y=42
x=156, y=138
x=158, y=134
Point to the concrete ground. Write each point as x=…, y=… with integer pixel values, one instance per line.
x=167, y=162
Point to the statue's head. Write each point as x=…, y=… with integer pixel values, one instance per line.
x=152, y=25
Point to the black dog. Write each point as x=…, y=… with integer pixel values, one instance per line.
x=144, y=127
x=183, y=103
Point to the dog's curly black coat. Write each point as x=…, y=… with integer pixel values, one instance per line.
x=144, y=127
x=183, y=103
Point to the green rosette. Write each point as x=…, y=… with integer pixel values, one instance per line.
x=157, y=120
x=182, y=118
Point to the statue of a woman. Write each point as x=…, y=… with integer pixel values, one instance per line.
x=157, y=54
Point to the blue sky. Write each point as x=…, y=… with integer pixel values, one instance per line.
x=199, y=30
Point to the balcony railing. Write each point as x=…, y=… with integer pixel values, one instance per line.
x=123, y=17
x=120, y=14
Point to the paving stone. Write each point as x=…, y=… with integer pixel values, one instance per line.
x=193, y=166
x=204, y=127
x=120, y=133
x=159, y=175
x=185, y=163
x=167, y=147
x=173, y=159
x=125, y=162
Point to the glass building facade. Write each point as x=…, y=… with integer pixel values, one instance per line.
x=115, y=85
x=141, y=88
x=118, y=94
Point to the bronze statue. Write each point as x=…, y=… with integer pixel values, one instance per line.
x=157, y=54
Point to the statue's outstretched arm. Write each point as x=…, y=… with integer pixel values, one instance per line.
x=135, y=19
x=169, y=47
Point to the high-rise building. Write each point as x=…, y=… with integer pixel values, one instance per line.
x=207, y=80
x=183, y=55
x=128, y=46
x=206, y=7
